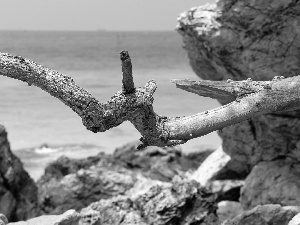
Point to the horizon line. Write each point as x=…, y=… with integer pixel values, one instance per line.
x=96, y=30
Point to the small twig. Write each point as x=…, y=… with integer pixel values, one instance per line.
x=128, y=84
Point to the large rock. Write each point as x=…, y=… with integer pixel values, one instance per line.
x=18, y=192
x=237, y=39
x=264, y=215
x=68, y=184
x=263, y=138
x=159, y=163
x=185, y=202
x=76, y=183
x=272, y=182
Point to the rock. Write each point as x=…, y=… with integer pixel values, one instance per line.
x=82, y=186
x=228, y=210
x=76, y=183
x=3, y=219
x=185, y=202
x=266, y=214
x=272, y=182
x=221, y=175
x=295, y=220
x=159, y=163
x=210, y=167
x=143, y=185
x=71, y=217
x=18, y=192
x=263, y=138
x=226, y=190
x=236, y=39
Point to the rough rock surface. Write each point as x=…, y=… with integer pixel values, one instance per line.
x=272, y=182
x=18, y=192
x=185, y=202
x=219, y=174
x=228, y=210
x=237, y=39
x=71, y=217
x=74, y=184
x=263, y=138
x=264, y=215
x=159, y=163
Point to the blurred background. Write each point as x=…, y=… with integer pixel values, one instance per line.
x=82, y=39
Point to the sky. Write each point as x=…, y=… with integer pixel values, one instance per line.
x=130, y=15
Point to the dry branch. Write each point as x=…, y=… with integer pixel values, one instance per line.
x=248, y=99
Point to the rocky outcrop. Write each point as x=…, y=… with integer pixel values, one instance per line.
x=18, y=192
x=159, y=163
x=235, y=39
x=185, y=202
x=76, y=183
x=266, y=214
x=272, y=182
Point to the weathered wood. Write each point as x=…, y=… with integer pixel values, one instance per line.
x=249, y=99
x=128, y=84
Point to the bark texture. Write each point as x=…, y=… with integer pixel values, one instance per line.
x=135, y=105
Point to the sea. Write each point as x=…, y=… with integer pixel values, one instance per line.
x=41, y=128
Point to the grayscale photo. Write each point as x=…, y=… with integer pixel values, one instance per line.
x=150, y=112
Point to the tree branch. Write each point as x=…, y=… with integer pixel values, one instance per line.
x=248, y=99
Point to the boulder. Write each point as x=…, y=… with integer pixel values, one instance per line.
x=18, y=192
x=66, y=186
x=272, y=182
x=264, y=215
x=236, y=39
x=159, y=163
x=71, y=217
x=184, y=202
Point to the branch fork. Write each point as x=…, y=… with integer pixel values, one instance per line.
x=244, y=99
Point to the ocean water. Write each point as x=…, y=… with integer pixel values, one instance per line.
x=32, y=117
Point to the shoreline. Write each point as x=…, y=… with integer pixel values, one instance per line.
x=36, y=159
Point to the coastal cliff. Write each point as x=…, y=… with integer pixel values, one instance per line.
x=235, y=39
